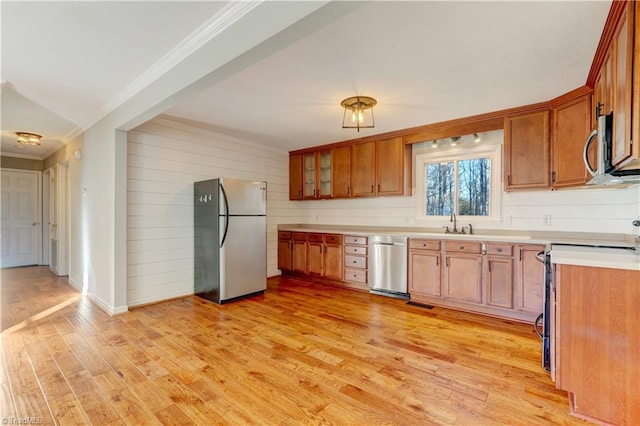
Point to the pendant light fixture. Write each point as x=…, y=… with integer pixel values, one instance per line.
x=26, y=138
x=358, y=112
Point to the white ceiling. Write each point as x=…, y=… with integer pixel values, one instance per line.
x=423, y=61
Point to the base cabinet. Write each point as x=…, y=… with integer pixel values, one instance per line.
x=500, y=282
x=299, y=252
x=356, y=261
x=499, y=279
x=424, y=271
x=463, y=277
x=529, y=280
x=597, y=342
x=284, y=250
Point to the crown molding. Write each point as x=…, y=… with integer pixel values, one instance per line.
x=616, y=11
x=223, y=19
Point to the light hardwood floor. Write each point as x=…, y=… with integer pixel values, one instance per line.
x=302, y=353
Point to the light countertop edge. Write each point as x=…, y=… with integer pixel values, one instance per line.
x=578, y=254
x=596, y=257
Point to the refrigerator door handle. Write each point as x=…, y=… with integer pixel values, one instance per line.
x=226, y=209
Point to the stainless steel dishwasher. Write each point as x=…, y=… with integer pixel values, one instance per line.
x=388, y=266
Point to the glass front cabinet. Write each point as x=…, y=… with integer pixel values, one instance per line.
x=317, y=175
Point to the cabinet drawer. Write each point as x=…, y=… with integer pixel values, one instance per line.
x=314, y=238
x=355, y=250
x=500, y=249
x=333, y=239
x=284, y=235
x=350, y=239
x=462, y=247
x=355, y=275
x=424, y=244
x=355, y=262
x=299, y=236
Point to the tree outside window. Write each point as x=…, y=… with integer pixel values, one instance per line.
x=461, y=186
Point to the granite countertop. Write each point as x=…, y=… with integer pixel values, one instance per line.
x=574, y=248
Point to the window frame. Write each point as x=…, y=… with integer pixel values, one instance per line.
x=493, y=152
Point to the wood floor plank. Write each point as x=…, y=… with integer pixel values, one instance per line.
x=302, y=353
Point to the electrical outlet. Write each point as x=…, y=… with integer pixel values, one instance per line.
x=546, y=220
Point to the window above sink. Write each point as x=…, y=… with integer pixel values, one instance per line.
x=461, y=181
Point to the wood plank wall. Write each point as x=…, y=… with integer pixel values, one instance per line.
x=164, y=159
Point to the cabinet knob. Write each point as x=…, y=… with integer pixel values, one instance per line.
x=355, y=261
x=499, y=250
x=424, y=244
x=461, y=247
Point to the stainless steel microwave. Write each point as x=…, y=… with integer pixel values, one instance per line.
x=604, y=172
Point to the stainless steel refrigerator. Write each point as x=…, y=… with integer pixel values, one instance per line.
x=230, y=225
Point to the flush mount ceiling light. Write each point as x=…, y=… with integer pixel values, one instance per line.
x=358, y=112
x=25, y=138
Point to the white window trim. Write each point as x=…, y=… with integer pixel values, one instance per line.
x=494, y=152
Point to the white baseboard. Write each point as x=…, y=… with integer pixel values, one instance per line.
x=73, y=283
x=111, y=310
x=158, y=298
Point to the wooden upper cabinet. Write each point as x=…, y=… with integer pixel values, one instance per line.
x=295, y=177
x=526, y=151
x=341, y=172
x=363, y=172
x=571, y=127
x=603, y=90
x=390, y=166
x=622, y=49
x=309, y=175
x=317, y=174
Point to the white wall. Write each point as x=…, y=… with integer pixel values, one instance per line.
x=165, y=157
x=608, y=210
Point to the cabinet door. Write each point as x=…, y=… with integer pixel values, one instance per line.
x=314, y=258
x=295, y=177
x=424, y=273
x=309, y=188
x=623, y=54
x=324, y=175
x=527, y=151
x=598, y=342
x=571, y=126
x=529, y=283
x=284, y=255
x=463, y=278
x=363, y=169
x=333, y=261
x=299, y=256
x=390, y=167
x=341, y=172
x=603, y=90
x=500, y=282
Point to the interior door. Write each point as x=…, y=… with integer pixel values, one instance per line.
x=21, y=231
